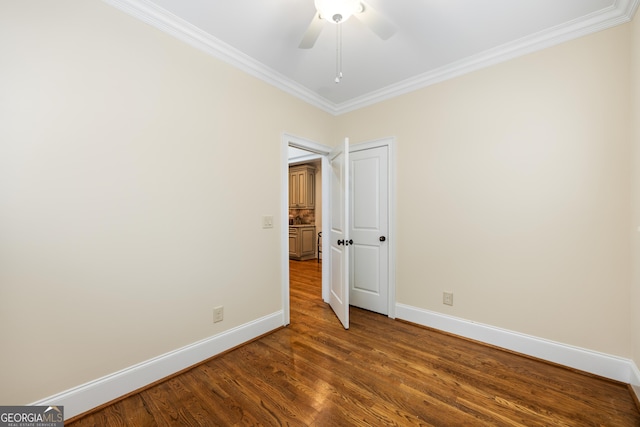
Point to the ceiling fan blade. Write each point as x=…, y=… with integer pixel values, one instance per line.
x=312, y=33
x=378, y=23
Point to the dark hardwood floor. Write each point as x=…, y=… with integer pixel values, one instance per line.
x=380, y=372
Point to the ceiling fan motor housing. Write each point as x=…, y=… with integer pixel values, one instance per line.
x=337, y=11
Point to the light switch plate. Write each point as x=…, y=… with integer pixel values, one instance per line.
x=267, y=221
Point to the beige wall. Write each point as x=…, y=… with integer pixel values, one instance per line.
x=513, y=192
x=635, y=226
x=129, y=205
x=129, y=208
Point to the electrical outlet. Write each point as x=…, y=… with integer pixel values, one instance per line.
x=218, y=314
x=447, y=298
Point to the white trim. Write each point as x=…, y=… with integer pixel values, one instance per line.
x=304, y=159
x=635, y=380
x=621, y=12
x=604, y=365
x=87, y=396
x=169, y=23
x=322, y=150
x=393, y=222
x=284, y=228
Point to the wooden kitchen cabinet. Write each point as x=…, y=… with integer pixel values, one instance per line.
x=302, y=242
x=302, y=187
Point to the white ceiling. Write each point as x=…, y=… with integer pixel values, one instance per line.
x=435, y=40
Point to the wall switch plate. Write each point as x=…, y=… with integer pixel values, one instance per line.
x=218, y=314
x=267, y=221
x=447, y=298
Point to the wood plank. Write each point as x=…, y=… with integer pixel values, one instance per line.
x=379, y=372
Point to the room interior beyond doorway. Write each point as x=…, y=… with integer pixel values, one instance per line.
x=305, y=200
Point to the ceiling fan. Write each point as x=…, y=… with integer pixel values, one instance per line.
x=338, y=11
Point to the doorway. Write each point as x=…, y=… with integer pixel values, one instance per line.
x=305, y=223
x=305, y=151
x=320, y=153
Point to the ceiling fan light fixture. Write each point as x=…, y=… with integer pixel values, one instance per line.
x=336, y=11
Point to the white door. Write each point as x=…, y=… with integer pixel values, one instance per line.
x=339, y=226
x=369, y=181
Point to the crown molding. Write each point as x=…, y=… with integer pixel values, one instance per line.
x=175, y=26
x=622, y=11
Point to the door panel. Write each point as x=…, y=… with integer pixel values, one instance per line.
x=339, y=228
x=366, y=279
x=369, y=280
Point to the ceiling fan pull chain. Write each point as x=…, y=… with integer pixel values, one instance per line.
x=338, y=52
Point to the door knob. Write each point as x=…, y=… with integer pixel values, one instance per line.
x=382, y=238
x=340, y=242
x=348, y=242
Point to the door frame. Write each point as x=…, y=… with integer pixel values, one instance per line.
x=316, y=151
x=322, y=151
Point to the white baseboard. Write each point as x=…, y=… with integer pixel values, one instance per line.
x=102, y=390
x=612, y=367
x=635, y=380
